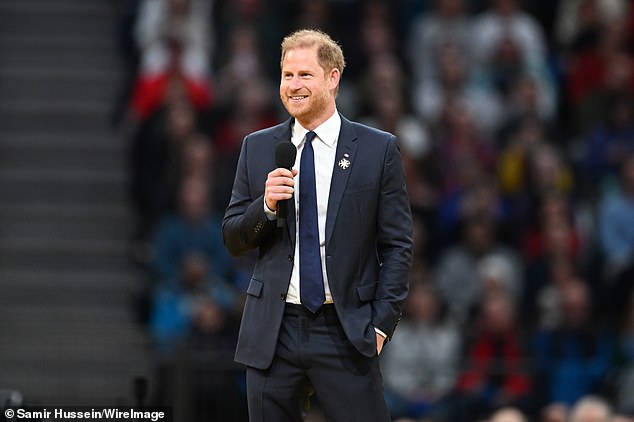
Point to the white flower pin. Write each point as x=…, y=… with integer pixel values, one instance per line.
x=344, y=163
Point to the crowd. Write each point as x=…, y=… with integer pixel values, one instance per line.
x=516, y=125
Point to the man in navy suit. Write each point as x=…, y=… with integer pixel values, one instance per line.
x=328, y=287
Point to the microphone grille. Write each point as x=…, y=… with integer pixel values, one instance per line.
x=285, y=153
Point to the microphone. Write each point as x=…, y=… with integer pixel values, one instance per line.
x=285, y=153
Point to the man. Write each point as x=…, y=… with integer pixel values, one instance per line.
x=508, y=414
x=591, y=409
x=328, y=287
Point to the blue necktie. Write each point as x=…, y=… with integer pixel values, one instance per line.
x=311, y=282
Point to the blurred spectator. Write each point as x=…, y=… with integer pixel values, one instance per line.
x=193, y=229
x=390, y=112
x=508, y=414
x=378, y=35
x=616, y=220
x=610, y=142
x=269, y=20
x=525, y=99
x=591, y=409
x=496, y=372
x=550, y=247
x=194, y=323
x=508, y=45
x=572, y=359
x=504, y=19
x=315, y=14
x=249, y=110
x=545, y=307
x=623, y=367
x=197, y=159
x=457, y=271
x=461, y=154
x=497, y=275
x=175, y=41
x=447, y=25
x=555, y=412
x=155, y=149
x=615, y=216
x=544, y=196
x=587, y=71
x=597, y=110
x=193, y=301
x=241, y=64
x=480, y=197
x=517, y=142
x=579, y=22
x=421, y=363
x=434, y=98
x=547, y=171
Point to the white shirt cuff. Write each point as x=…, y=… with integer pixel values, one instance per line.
x=379, y=332
x=270, y=214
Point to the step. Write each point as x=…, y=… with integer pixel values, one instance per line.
x=53, y=159
x=34, y=139
x=95, y=338
x=118, y=279
x=26, y=40
x=90, y=313
x=52, y=191
x=36, y=210
x=75, y=386
x=37, y=20
x=59, y=71
x=76, y=230
x=62, y=254
x=62, y=176
x=47, y=7
x=71, y=58
x=59, y=106
x=91, y=87
x=74, y=121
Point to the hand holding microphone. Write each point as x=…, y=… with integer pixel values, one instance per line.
x=280, y=182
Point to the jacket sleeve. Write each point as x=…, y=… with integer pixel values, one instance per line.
x=394, y=243
x=245, y=225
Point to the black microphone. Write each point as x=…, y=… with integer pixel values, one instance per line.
x=285, y=153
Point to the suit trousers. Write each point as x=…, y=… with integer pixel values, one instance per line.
x=314, y=354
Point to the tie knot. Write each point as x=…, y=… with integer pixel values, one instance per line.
x=310, y=136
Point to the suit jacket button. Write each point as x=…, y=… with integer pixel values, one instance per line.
x=283, y=296
x=290, y=258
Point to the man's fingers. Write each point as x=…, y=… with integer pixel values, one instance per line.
x=282, y=172
x=279, y=186
x=285, y=191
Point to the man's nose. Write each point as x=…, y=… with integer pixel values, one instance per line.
x=295, y=82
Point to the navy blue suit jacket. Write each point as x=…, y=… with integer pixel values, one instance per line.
x=368, y=239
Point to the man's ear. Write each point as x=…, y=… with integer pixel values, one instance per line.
x=333, y=79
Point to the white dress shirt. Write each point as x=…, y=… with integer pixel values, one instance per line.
x=325, y=147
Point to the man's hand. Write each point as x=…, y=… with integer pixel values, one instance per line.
x=380, y=340
x=279, y=186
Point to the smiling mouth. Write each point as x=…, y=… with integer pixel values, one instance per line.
x=298, y=97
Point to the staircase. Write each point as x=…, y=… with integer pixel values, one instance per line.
x=67, y=328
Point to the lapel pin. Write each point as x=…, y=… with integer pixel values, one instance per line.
x=346, y=155
x=344, y=163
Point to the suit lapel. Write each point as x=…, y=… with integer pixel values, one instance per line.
x=346, y=149
x=284, y=135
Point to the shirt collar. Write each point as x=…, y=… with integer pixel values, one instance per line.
x=327, y=132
